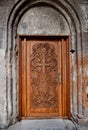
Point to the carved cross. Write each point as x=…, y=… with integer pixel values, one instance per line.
x=44, y=64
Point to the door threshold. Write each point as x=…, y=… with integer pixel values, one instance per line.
x=42, y=118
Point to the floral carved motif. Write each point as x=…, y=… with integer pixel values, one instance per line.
x=43, y=67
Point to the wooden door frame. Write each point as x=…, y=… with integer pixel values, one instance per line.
x=66, y=101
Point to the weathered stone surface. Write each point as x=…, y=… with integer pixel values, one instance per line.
x=16, y=126
x=83, y=128
x=84, y=7
x=3, y=103
x=1, y=37
x=44, y=21
x=84, y=1
x=69, y=125
x=50, y=124
x=5, y=8
x=85, y=73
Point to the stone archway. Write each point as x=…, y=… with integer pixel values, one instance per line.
x=74, y=23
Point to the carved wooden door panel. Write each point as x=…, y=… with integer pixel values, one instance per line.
x=44, y=77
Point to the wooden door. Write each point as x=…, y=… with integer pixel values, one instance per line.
x=44, y=77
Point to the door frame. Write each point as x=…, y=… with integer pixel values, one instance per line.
x=67, y=101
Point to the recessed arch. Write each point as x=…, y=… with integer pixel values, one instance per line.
x=74, y=23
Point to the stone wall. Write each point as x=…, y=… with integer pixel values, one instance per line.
x=5, y=8
x=84, y=7
x=59, y=17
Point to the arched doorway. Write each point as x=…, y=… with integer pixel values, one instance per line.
x=73, y=25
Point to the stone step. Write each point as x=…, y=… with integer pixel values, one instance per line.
x=46, y=124
x=50, y=124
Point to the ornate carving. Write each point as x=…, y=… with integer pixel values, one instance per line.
x=43, y=75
